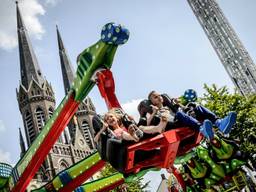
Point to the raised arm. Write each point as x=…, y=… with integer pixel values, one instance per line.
x=97, y=136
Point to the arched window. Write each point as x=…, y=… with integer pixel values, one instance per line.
x=65, y=151
x=29, y=126
x=63, y=165
x=86, y=133
x=61, y=150
x=55, y=150
x=40, y=118
x=43, y=174
x=50, y=111
x=82, y=154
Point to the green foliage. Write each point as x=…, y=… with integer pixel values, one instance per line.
x=134, y=186
x=220, y=101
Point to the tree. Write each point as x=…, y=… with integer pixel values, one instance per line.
x=220, y=101
x=135, y=186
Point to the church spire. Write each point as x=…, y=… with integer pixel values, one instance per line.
x=66, y=67
x=22, y=144
x=20, y=23
x=74, y=129
x=28, y=63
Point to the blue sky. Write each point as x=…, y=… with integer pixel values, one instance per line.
x=167, y=50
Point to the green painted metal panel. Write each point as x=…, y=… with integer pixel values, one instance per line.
x=99, y=55
x=101, y=183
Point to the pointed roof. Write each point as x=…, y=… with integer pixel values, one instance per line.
x=22, y=143
x=29, y=67
x=20, y=23
x=66, y=67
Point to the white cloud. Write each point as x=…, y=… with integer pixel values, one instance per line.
x=52, y=2
x=5, y=157
x=7, y=41
x=2, y=127
x=131, y=108
x=30, y=10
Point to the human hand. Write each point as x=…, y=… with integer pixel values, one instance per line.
x=104, y=125
x=165, y=116
x=154, y=108
x=176, y=100
x=132, y=128
x=96, y=138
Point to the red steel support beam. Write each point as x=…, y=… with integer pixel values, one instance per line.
x=59, y=125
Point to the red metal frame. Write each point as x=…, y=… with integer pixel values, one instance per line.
x=83, y=177
x=168, y=143
x=58, y=126
x=171, y=143
x=106, y=85
x=169, y=146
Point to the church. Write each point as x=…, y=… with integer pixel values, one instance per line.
x=36, y=102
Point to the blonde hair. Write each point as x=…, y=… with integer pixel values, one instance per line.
x=116, y=113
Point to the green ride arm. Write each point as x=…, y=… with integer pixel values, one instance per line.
x=100, y=55
x=72, y=172
x=102, y=183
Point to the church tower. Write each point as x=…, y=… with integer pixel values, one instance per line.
x=36, y=103
x=86, y=109
x=35, y=94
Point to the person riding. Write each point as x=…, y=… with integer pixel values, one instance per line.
x=113, y=122
x=178, y=117
x=122, y=126
x=188, y=103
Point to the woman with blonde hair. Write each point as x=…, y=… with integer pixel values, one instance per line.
x=122, y=126
x=114, y=123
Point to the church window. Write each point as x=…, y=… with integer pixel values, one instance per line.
x=50, y=112
x=66, y=151
x=86, y=133
x=40, y=118
x=29, y=126
x=55, y=150
x=63, y=165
